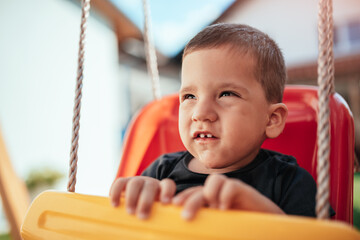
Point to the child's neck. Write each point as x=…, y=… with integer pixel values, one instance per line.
x=195, y=165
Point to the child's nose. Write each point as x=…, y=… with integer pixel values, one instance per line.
x=204, y=111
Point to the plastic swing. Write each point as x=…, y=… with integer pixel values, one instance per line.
x=155, y=131
x=56, y=215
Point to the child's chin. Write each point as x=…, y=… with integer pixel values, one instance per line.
x=214, y=166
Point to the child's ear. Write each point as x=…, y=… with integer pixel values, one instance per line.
x=277, y=116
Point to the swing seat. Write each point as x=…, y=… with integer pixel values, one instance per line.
x=154, y=131
x=56, y=215
x=62, y=216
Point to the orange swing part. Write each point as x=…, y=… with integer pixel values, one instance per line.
x=154, y=131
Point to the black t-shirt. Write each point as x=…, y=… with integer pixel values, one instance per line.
x=275, y=175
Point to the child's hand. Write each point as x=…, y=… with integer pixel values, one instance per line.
x=141, y=192
x=224, y=193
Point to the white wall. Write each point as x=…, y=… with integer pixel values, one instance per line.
x=38, y=62
x=292, y=24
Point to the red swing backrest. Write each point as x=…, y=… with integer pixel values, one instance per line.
x=154, y=131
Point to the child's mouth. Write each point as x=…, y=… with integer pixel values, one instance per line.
x=204, y=136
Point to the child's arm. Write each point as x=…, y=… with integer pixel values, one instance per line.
x=224, y=193
x=141, y=192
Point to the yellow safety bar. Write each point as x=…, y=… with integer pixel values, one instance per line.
x=56, y=215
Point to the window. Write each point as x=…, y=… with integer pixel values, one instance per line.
x=347, y=38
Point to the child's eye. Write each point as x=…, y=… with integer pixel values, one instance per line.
x=188, y=96
x=228, y=94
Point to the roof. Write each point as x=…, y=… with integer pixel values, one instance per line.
x=344, y=67
x=123, y=27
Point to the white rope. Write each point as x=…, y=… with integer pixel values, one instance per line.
x=78, y=94
x=326, y=88
x=151, y=59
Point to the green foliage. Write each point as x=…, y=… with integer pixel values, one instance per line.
x=357, y=200
x=5, y=237
x=43, y=176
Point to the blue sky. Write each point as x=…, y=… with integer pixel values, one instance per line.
x=174, y=23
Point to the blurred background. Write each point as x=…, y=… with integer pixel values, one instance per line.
x=38, y=64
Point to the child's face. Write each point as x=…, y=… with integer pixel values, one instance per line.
x=223, y=110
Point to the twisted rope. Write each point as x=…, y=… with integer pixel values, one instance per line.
x=326, y=88
x=330, y=32
x=78, y=94
x=151, y=59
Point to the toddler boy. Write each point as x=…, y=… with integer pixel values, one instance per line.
x=233, y=79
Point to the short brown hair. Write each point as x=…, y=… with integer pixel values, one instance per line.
x=270, y=68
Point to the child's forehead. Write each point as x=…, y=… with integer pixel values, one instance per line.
x=231, y=50
x=219, y=67
x=227, y=57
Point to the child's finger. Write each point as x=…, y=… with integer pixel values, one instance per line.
x=132, y=192
x=115, y=191
x=167, y=190
x=180, y=198
x=147, y=197
x=212, y=187
x=192, y=204
x=229, y=192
